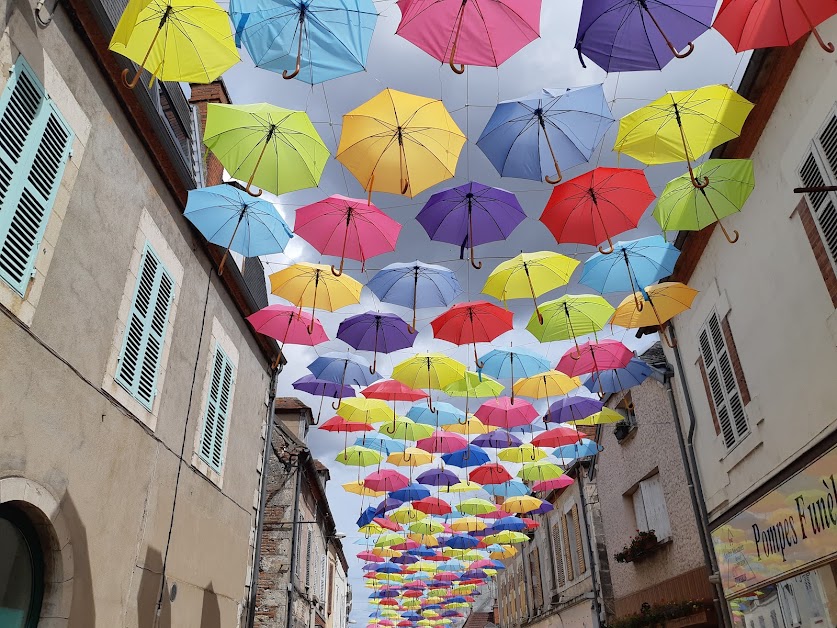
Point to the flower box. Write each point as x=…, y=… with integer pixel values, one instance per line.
x=643, y=545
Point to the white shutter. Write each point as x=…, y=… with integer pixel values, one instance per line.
x=639, y=510
x=323, y=560
x=308, y=565
x=655, y=507
x=818, y=169
x=216, y=417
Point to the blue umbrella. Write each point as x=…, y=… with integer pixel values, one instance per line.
x=389, y=503
x=422, y=551
x=470, y=456
x=415, y=285
x=384, y=445
x=545, y=132
x=615, y=380
x=446, y=414
x=316, y=40
x=229, y=217
x=367, y=516
x=387, y=567
x=512, y=488
x=513, y=363
x=585, y=448
x=343, y=368
x=462, y=541
x=411, y=493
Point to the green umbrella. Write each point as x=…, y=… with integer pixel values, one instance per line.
x=402, y=428
x=356, y=456
x=273, y=148
x=474, y=385
x=682, y=207
x=570, y=316
x=476, y=506
x=540, y=470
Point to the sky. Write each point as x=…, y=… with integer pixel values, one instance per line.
x=550, y=62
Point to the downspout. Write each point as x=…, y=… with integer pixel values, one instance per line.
x=294, y=537
x=597, y=605
x=687, y=453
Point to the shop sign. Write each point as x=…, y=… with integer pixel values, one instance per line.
x=792, y=526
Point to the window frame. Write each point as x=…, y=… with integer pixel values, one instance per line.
x=27, y=530
x=645, y=497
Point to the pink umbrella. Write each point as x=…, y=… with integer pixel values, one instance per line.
x=592, y=357
x=472, y=32
x=348, y=227
x=505, y=413
x=547, y=485
x=442, y=442
x=287, y=324
x=408, y=544
x=386, y=480
x=370, y=557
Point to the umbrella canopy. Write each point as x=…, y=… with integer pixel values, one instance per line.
x=626, y=35
x=404, y=429
x=410, y=457
x=572, y=409
x=411, y=492
x=288, y=325
x=445, y=414
x=342, y=368
x=683, y=207
x=358, y=457
x=521, y=505
x=602, y=417
x=305, y=285
x=527, y=452
x=538, y=470
x=365, y=411
x=339, y=424
x=314, y=40
x=432, y=506
x=597, y=205
x=490, y=473
x=498, y=439
x=429, y=371
x=571, y=316
x=470, y=456
x=386, y=480
x=348, y=227
x=474, y=385
x=476, y=506
x=557, y=437
x=545, y=132
x=469, y=215
x=470, y=426
x=376, y=332
x=595, y=356
x=667, y=300
x=322, y=388
x=474, y=32
x=472, y=322
x=378, y=442
x=276, y=149
x=438, y=477
x=391, y=390
x=615, y=380
x=506, y=413
x=545, y=385
x=415, y=285
x=400, y=143
x=358, y=488
x=556, y=483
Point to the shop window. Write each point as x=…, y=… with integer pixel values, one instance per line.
x=650, y=507
x=21, y=571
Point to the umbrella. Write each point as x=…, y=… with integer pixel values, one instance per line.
x=507, y=537
x=432, y=505
x=471, y=425
x=497, y=439
x=471, y=214
x=539, y=470
x=438, y=477
x=347, y=227
x=667, y=300
x=543, y=271
x=556, y=483
x=472, y=322
x=240, y=136
x=386, y=480
x=339, y=424
x=521, y=505
x=358, y=488
x=304, y=284
x=593, y=357
x=597, y=205
x=585, y=448
x=474, y=385
x=228, y=217
x=476, y=506
x=557, y=129
x=557, y=437
x=288, y=325
x=425, y=526
x=358, y=457
x=404, y=429
x=376, y=332
x=505, y=413
x=390, y=503
x=391, y=390
x=616, y=380
x=466, y=524
x=522, y=453
x=469, y=456
x=441, y=442
x=445, y=414
x=378, y=442
x=749, y=24
x=512, y=488
x=415, y=285
x=365, y=411
x=479, y=32
x=683, y=126
x=400, y=143
x=604, y=416
x=317, y=40
x=571, y=316
x=176, y=40
x=432, y=371
x=682, y=207
x=630, y=35
x=545, y=385
x=322, y=388
x=490, y=473
x=342, y=368
x=572, y=409
x=410, y=492
x=410, y=457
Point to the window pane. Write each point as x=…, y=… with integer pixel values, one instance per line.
x=15, y=576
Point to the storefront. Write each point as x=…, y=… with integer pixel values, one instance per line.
x=778, y=556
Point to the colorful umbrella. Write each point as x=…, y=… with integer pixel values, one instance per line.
x=467, y=457
x=339, y=424
x=522, y=504
x=571, y=316
x=287, y=325
x=667, y=300
x=490, y=473
x=593, y=357
x=378, y=442
x=512, y=488
x=539, y=470
x=474, y=385
x=438, y=477
x=475, y=506
x=596, y=206
x=386, y=480
x=472, y=322
x=545, y=385
x=415, y=285
x=322, y=388
x=432, y=506
x=342, y=368
x=441, y=442
x=358, y=488
x=404, y=429
x=240, y=136
x=445, y=414
x=522, y=453
x=550, y=485
x=365, y=411
x=505, y=413
x=376, y=332
x=616, y=380
x=410, y=492
x=630, y=35
x=400, y=143
x=572, y=409
x=557, y=437
x=431, y=371
x=497, y=439
x=471, y=214
x=604, y=416
x=304, y=284
x=358, y=457
x=410, y=457
x=557, y=129
x=470, y=426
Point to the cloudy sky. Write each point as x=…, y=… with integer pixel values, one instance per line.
x=550, y=62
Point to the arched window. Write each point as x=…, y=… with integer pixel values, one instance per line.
x=21, y=570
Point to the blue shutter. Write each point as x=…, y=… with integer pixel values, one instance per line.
x=145, y=331
x=216, y=417
x=35, y=144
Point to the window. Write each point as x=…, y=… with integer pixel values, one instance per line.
x=21, y=570
x=35, y=144
x=535, y=574
x=559, y=555
x=323, y=560
x=576, y=540
x=308, y=565
x=569, y=563
x=722, y=383
x=218, y=404
x=650, y=507
x=819, y=168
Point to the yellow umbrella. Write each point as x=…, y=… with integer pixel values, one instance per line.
x=545, y=385
x=187, y=41
x=682, y=126
x=410, y=457
x=359, y=489
x=426, y=527
x=386, y=552
x=370, y=528
x=406, y=515
x=529, y=275
x=471, y=426
x=400, y=143
x=431, y=371
x=424, y=539
x=304, y=284
x=606, y=415
x=667, y=300
x=462, y=487
x=524, y=453
x=468, y=524
x=362, y=410
x=404, y=428
x=507, y=552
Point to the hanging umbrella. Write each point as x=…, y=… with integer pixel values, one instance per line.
x=557, y=437
x=682, y=126
x=550, y=485
x=749, y=24
x=431, y=371
x=593, y=357
x=474, y=385
x=287, y=325
x=469, y=427
x=391, y=390
x=630, y=35
x=445, y=414
x=185, y=41
x=347, y=227
x=597, y=205
x=490, y=473
x=571, y=316
x=497, y=439
x=339, y=424
x=527, y=452
x=376, y=332
x=410, y=492
x=467, y=457
x=473, y=32
x=522, y=504
x=441, y=442
x=304, y=284
x=386, y=480
x=366, y=411
x=342, y=368
x=465, y=524
x=472, y=322
x=529, y=275
x=604, y=416
x=228, y=217
x=432, y=505
x=667, y=300
x=507, y=537
x=572, y=409
x=475, y=506
x=322, y=388
x=682, y=207
x=404, y=429
x=471, y=214
x=505, y=413
x=550, y=130
x=410, y=457
x=415, y=285
x=400, y=143
x=378, y=442
x=545, y=385
x=512, y=488
x=240, y=136
x=358, y=457
x=358, y=488
x=539, y=470
x=616, y=380
x=438, y=477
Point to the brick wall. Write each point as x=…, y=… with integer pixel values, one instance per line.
x=820, y=254
x=201, y=96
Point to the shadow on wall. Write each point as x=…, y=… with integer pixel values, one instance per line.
x=83, y=611
x=211, y=610
x=149, y=591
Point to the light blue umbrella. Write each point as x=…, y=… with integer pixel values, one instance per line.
x=415, y=285
x=513, y=363
x=512, y=488
x=384, y=445
x=344, y=369
x=614, y=380
x=446, y=414
x=229, y=217
x=546, y=132
x=568, y=453
x=314, y=40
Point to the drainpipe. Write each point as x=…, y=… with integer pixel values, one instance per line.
x=687, y=453
x=294, y=537
x=597, y=605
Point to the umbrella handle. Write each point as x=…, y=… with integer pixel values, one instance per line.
x=134, y=81
x=461, y=68
x=731, y=240
x=374, y=365
x=336, y=404
x=681, y=55
x=430, y=405
x=670, y=342
x=603, y=251
x=285, y=74
x=480, y=365
x=828, y=47
x=278, y=359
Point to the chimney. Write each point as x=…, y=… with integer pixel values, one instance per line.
x=202, y=95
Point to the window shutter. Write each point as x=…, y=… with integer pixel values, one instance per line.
x=330, y=587
x=35, y=144
x=568, y=559
x=818, y=169
x=579, y=541
x=308, y=560
x=639, y=510
x=559, y=556
x=145, y=333
x=535, y=572
x=323, y=577
x=655, y=506
x=216, y=417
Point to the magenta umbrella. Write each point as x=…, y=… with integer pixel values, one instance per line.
x=386, y=480
x=288, y=324
x=592, y=357
x=506, y=413
x=472, y=32
x=348, y=227
x=441, y=442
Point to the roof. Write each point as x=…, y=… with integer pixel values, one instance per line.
x=290, y=403
x=654, y=355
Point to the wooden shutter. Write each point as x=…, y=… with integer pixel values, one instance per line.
x=639, y=510
x=535, y=572
x=216, y=417
x=330, y=587
x=35, y=144
x=579, y=541
x=559, y=555
x=655, y=506
x=145, y=332
x=323, y=560
x=568, y=558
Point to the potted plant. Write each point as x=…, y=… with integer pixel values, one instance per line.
x=644, y=542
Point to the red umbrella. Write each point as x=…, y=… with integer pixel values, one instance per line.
x=442, y=442
x=597, y=205
x=547, y=485
x=432, y=506
x=592, y=357
x=387, y=524
x=411, y=593
x=386, y=480
x=387, y=601
x=472, y=322
x=531, y=524
x=439, y=558
x=557, y=437
x=505, y=413
x=490, y=473
x=370, y=557
x=339, y=424
x=288, y=324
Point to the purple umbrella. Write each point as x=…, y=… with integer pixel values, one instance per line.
x=469, y=215
x=376, y=332
x=438, y=477
x=572, y=409
x=498, y=439
x=628, y=35
x=322, y=388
